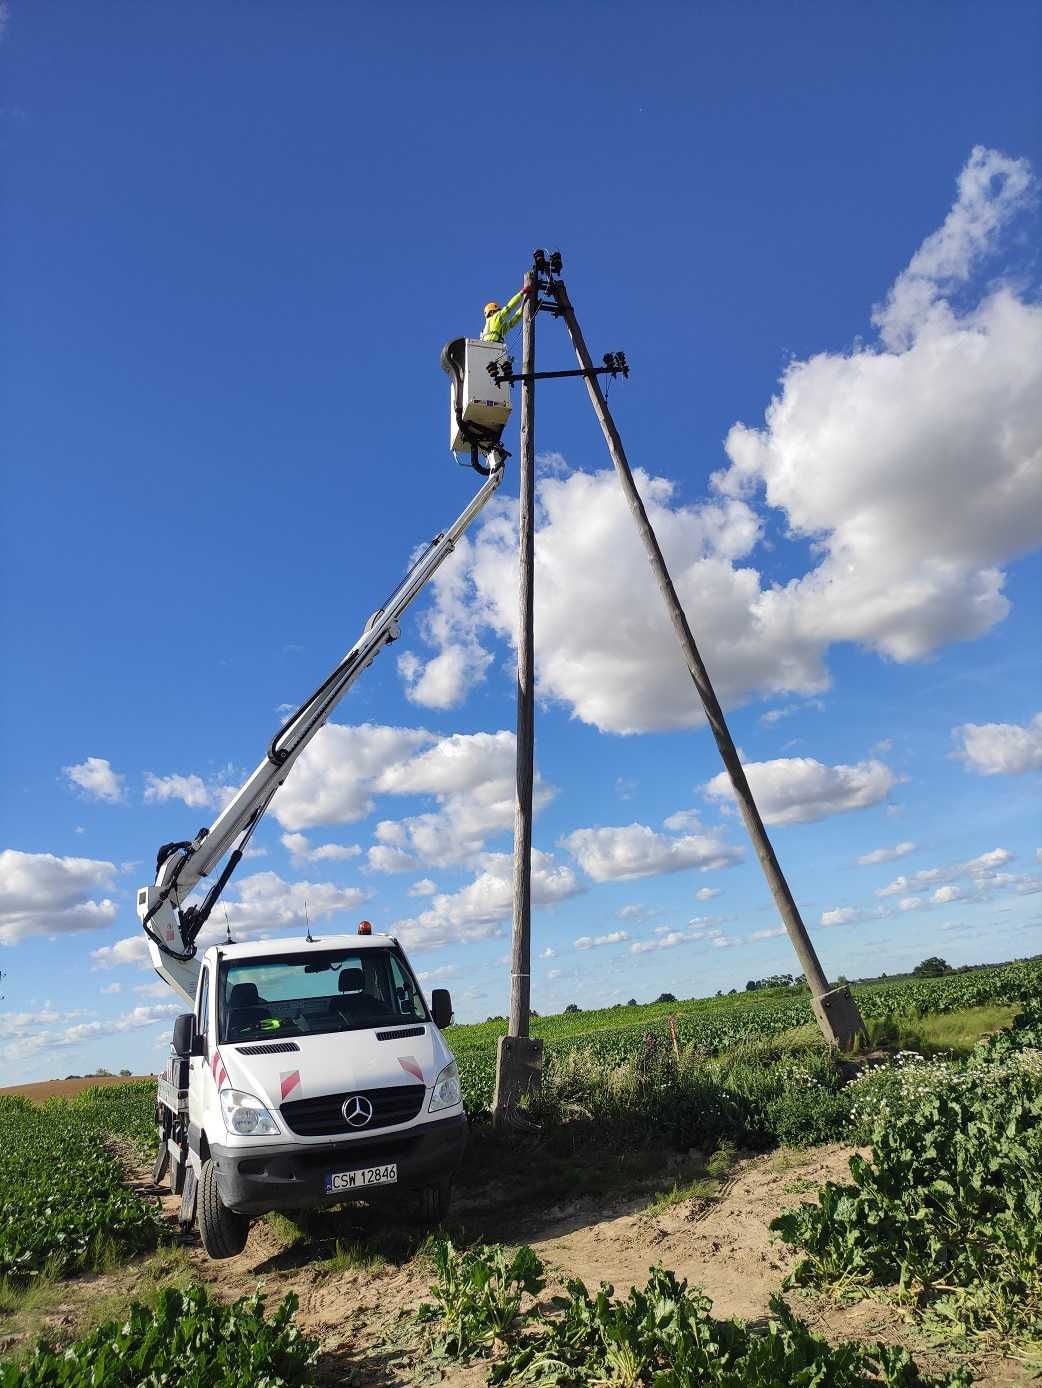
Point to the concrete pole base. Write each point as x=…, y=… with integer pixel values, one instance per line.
x=519, y=1072
x=839, y=1018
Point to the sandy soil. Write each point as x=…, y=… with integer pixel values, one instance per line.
x=42, y=1090
x=722, y=1245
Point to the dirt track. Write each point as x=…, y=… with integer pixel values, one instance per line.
x=722, y=1245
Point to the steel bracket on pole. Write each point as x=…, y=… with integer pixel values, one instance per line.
x=503, y=373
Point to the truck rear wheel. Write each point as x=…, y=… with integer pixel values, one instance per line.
x=223, y=1232
x=435, y=1202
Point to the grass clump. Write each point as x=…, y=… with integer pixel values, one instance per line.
x=353, y=1255
x=706, y=1183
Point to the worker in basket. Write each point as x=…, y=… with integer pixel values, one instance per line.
x=499, y=321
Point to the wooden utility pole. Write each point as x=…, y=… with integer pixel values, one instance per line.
x=521, y=953
x=519, y=1059
x=835, y=1009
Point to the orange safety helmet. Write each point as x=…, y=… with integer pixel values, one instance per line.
x=491, y=307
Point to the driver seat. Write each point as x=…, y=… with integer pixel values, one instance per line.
x=246, y=1008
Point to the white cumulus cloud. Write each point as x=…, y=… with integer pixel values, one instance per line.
x=38, y=1042
x=267, y=905
x=625, y=852
x=96, y=779
x=469, y=777
x=984, y=868
x=478, y=910
x=301, y=850
x=1001, y=749
x=42, y=894
x=614, y=937
x=886, y=855
x=799, y=790
x=333, y=780
x=133, y=949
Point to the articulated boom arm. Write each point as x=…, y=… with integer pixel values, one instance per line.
x=171, y=928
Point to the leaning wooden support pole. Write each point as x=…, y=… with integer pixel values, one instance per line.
x=519, y=1058
x=835, y=1009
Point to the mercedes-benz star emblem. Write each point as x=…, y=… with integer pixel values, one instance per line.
x=357, y=1110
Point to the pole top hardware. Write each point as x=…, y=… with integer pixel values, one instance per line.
x=546, y=263
x=502, y=370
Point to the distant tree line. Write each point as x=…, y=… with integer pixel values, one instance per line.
x=773, y=981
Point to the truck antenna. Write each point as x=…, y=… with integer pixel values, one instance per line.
x=227, y=928
x=307, y=918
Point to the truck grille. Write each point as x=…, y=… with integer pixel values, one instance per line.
x=323, y=1116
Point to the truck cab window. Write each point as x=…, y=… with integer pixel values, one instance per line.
x=314, y=993
x=204, y=1003
x=406, y=995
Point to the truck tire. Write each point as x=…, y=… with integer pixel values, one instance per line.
x=223, y=1232
x=435, y=1202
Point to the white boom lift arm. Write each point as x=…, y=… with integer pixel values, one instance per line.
x=172, y=928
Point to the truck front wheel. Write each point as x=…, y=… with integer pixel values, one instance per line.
x=223, y=1232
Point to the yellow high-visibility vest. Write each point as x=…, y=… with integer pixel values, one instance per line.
x=498, y=324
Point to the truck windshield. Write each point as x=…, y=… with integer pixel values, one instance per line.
x=317, y=992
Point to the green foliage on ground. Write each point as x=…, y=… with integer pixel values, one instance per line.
x=187, y=1339
x=948, y=1209
x=63, y=1202
x=125, y=1110
x=662, y=1335
x=477, y=1297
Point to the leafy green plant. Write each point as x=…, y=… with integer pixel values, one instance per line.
x=948, y=1210
x=477, y=1296
x=664, y=1335
x=186, y=1339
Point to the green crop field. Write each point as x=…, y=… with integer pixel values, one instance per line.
x=64, y=1205
x=613, y=1036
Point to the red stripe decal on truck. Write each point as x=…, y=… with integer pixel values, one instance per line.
x=411, y=1066
x=220, y=1074
x=289, y=1079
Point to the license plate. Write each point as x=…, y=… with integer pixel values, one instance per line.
x=368, y=1176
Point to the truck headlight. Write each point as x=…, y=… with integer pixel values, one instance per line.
x=246, y=1116
x=446, y=1091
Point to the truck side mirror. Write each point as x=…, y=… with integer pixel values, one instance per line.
x=187, y=1040
x=441, y=1007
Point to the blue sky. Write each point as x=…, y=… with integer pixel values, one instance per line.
x=235, y=241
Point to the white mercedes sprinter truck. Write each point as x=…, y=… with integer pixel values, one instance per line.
x=311, y=1072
